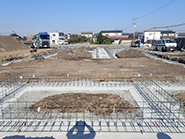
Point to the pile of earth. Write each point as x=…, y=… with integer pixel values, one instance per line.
x=9, y=43
x=80, y=102
x=131, y=53
x=74, y=54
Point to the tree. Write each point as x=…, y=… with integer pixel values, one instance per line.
x=103, y=39
x=100, y=38
x=76, y=39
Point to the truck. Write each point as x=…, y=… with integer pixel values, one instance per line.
x=41, y=40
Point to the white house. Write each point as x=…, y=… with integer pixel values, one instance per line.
x=87, y=34
x=112, y=32
x=152, y=35
x=57, y=37
x=158, y=34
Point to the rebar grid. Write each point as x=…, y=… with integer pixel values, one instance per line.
x=90, y=110
x=18, y=116
x=158, y=106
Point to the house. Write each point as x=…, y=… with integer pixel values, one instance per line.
x=87, y=34
x=112, y=32
x=152, y=35
x=57, y=37
x=168, y=34
x=117, y=38
x=127, y=41
x=158, y=34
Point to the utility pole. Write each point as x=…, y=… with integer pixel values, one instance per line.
x=134, y=26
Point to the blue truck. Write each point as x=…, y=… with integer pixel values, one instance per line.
x=41, y=40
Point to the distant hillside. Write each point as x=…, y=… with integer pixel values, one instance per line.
x=8, y=43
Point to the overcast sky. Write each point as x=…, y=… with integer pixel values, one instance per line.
x=28, y=17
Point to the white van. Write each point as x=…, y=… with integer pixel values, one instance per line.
x=62, y=41
x=165, y=45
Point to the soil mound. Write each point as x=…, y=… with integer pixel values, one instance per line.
x=74, y=54
x=181, y=97
x=80, y=102
x=131, y=53
x=8, y=43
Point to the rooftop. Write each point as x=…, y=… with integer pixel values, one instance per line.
x=86, y=33
x=152, y=31
x=167, y=31
x=111, y=31
x=118, y=37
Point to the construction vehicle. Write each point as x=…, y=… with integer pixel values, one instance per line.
x=41, y=40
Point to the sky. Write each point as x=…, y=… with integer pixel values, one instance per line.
x=28, y=17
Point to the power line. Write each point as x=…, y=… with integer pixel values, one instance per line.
x=172, y=26
x=165, y=5
x=177, y=25
x=170, y=2
x=128, y=25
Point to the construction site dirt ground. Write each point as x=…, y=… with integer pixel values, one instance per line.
x=86, y=63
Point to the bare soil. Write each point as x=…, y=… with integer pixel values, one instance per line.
x=79, y=102
x=74, y=54
x=131, y=53
x=120, y=64
x=180, y=97
x=8, y=43
x=78, y=60
x=12, y=49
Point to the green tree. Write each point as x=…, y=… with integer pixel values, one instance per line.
x=103, y=39
x=100, y=38
x=76, y=39
x=108, y=41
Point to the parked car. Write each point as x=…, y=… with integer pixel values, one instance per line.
x=63, y=42
x=165, y=45
x=135, y=43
